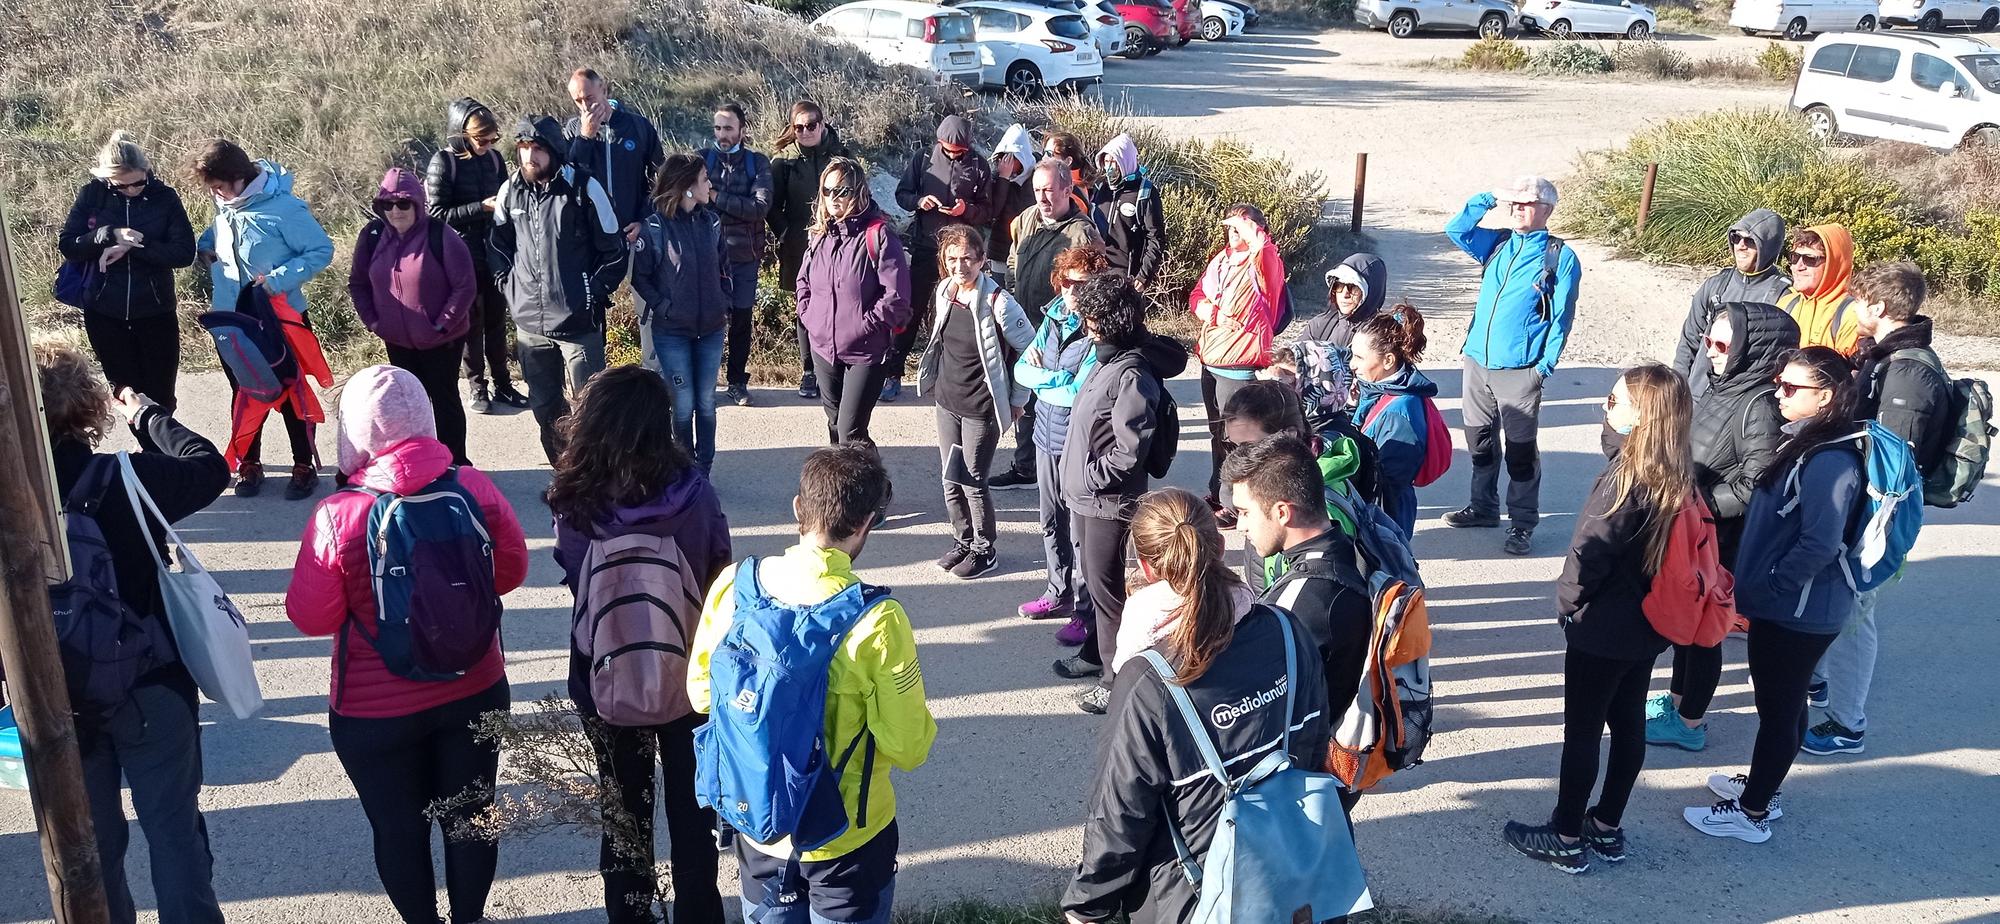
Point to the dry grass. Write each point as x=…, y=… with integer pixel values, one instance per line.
x=1946, y=186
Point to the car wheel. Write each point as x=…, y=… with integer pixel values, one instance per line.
x=1403, y=24
x=1024, y=80
x=1796, y=29
x=1136, y=41
x=1562, y=29
x=1985, y=136
x=1989, y=21
x=1213, y=29
x=1639, y=31
x=1867, y=24
x=1821, y=125
x=1493, y=26
x=1933, y=21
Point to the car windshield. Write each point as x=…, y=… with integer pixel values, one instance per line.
x=955, y=28
x=1984, y=68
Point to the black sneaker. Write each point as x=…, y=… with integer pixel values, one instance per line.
x=1520, y=541
x=739, y=393
x=507, y=395
x=809, y=387
x=1607, y=843
x=1469, y=518
x=950, y=560
x=1011, y=480
x=249, y=479
x=976, y=564
x=305, y=478
x=1076, y=668
x=1540, y=842
x=482, y=400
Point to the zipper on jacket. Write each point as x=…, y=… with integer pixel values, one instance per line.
x=128, y=266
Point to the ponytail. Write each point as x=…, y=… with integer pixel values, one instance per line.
x=1176, y=536
x=1399, y=332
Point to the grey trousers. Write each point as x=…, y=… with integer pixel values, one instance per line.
x=970, y=505
x=1848, y=667
x=153, y=741
x=1503, y=414
x=1065, y=583
x=554, y=370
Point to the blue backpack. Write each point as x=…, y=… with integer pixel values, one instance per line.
x=431, y=561
x=1892, y=511
x=250, y=341
x=762, y=760
x=1282, y=850
x=106, y=645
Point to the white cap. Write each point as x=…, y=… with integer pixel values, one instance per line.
x=1527, y=189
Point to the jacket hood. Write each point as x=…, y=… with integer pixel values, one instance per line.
x=1760, y=334
x=1839, y=266
x=954, y=130
x=1375, y=284
x=1166, y=356
x=665, y=513
x=547, y=132
x=1916, y=333
x=1408, y=380
x=1018, y=144
x=457, y=115
x=1124, y=152
x=272, y=180
x=1768, y=230
x=398, y=183
x=382, y=407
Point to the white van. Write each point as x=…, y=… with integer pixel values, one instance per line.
x=1940, y=91
x=1797, y=19
x=1939, y=15
x=925, y=36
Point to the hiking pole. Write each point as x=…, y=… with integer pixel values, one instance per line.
x=31, y=555
x=1646, y=201
x=1360, y=190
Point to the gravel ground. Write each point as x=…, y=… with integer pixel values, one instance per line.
x=995, y=814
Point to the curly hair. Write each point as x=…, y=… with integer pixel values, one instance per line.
x=1089, y=260
x=75, y=400
x=965, y=237
x=618, y=446
x=1113, y=312
x=1399, y=332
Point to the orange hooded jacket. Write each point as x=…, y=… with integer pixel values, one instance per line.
x=1826, y=315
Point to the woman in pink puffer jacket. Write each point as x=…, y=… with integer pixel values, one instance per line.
x=404, y=743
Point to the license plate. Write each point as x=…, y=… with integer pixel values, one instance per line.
x=1086, y=56
x=961, y=57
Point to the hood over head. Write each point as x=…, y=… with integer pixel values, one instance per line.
x=398, y=183
x=457, y=115
x=1759, y=334
x=1768, y=230
x=1020, y=145
x=1374, y=276
x=955, y=131
x=1124, y=152
x=381, y=406
x=546, y=132
x=1839, y=266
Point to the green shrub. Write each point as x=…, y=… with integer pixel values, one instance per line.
x=1652, y=59
x=1570, y=58
x=1495, y=54
x=1781, y=61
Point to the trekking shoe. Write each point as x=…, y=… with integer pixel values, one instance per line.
x=482, y=401
x=976, y=564
x=1519, y=541
x=1044, y=608
x=739, y=393
x=1830, y=737
x=891, y=389
x=1727, y=819
x=1731, y=788
x=1660, y=705
x=304, y=479
x=249, y=479
x=1073, y=634
x=1094, y=700
x=1668, y=729
x=950, y=560
x=1541, y=842
x=1011, y=480
x=1076, y=668
x=506, y=395
x=1469, y=518
x=1607, y=843
x=1816, y=695
x=809, y=387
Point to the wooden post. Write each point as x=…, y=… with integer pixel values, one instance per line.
x=30, y=555
x=1360, y=190
x=1646, y=201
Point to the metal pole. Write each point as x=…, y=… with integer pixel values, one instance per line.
x=1360, y=190
x=29, y=543
x=1646, y=201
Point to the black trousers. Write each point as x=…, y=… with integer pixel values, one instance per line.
x=485, y=342
x=1781, y=666
x=142, y=354
x=1024, y=440
x=437, y=370
x=399, y=766
x=1100, y=548
x=848, y=392
x=1697, y=672
x=1600, y=692
x=625, y=757
x=923, y=285
x=1216, y=391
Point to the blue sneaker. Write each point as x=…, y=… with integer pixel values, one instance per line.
x=891, y=389
x=1816, y=695
x=1659, y=705
x=1830, y=737
x=1669, y=729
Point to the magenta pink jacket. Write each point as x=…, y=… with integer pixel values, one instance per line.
x=401, y=289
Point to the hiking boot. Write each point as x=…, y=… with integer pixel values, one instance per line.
x=304, y=479
x=950, y=560
x=1660, y=705
x=1044, y=608
x=1607, y=843
x=1011, y=480
x=1831, y=737
x=249, y=479
x=976, y=564
x=1469, y=518
x=482, y=400
x=1520, y=541
x=738, y=393
x=1816, y=695
x=1727, y=819
x=1076, y=668
x=1731, y=788
x=1094, y=700
x=892, y=389
x=506, y=395
x=1668, y=729
x=1075, y=633
x=1541, y=842
x=809, y=387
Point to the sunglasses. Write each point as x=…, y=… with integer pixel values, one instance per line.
x=1739, y=239
x=1788, y=389
x=808, y=126
x=135, y=184
x=396, y=205
x=1719, y=346
x=1808, y=259
x=1075, y=280
x=839, y=192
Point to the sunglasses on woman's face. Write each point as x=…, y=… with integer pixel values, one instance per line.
x=397, y=205
x=1739, y=239
x=1719, y=346
x=839, y=192
x=120, y=187
x=803, y=127
x=1788, y=389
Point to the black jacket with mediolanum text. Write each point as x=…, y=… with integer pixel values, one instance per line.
x=1768, y=284
x=1134, y=226
x=1908, y=396
x=1112, y=424
x=1151, y=775
x=556, y=251
x=1604, y=579
x=1736, y=427
x=624, y=157
x=141, y=283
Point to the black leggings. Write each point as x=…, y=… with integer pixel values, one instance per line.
x=437, y=370
x=1216, y=390
x=1598, y=692
x=143, y=354
x=626, y=756
x=399, y=766
x=1100, y=553
x=848, y=393
x=1697, y=671
x=485, y=342
x=1781, y=666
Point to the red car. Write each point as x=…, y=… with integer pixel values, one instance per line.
x=1150, y=25
x=1187, y=14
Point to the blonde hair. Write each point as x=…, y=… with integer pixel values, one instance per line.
x=75, y=399
x=119, y=154
x=857, y=176
x=1656, y=466
x=1174, y=533
x=482, y=127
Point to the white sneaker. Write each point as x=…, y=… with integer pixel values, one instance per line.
x=1726, y=819
x=1731, y=788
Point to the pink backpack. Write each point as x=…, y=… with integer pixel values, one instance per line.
x=1437, y=440
x=634, y=620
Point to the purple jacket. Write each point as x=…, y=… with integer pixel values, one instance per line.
x=399, y=289
x=854, y=296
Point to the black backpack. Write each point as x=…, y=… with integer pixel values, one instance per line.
x=106, y=645
x=1166, y=432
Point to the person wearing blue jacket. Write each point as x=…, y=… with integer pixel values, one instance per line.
x=262, y=235
x=1391, y=405
x=1790, y=583
x=1527, y=301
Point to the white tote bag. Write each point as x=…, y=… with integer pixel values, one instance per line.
x=214, y=642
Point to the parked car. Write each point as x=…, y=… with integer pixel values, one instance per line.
x=1150, y=25
x=1219, y=21
x=1799, y=19
x=1025, y=48
x=1940, y=91
x=932, y=38
x=1187, y=16
x=1939, y=15
x=1564, y=18
x=1107, y=28
x=1404, y=18
x=1250, y=14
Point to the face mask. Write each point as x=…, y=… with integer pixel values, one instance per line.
x=738, y=146
x=1621, y=431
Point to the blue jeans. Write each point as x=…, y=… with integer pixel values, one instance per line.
x=689, y=365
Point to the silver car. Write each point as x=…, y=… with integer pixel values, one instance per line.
x=1402, y=18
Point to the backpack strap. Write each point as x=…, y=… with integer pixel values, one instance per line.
x=1924, y=355
x=1743, y=425
x=1545, y=285
x=435, y=230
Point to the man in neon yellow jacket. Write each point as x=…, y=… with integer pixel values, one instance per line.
x=874, y=684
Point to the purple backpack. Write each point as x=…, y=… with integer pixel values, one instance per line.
x=431, y=562
x=636, y=608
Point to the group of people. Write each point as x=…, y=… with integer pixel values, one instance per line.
x=1031, y=274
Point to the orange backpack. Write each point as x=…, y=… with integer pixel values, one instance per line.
x=1693, y=600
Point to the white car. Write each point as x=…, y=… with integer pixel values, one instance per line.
x=1025, y=48
x=928, y=37
x=1564, y=18
x=1107, y=28
x=1403, y=18
x=1220, y=20
x=1799, y=19
x=1939, y=15
x=1939, y=91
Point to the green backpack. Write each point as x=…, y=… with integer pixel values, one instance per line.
x=1953, y=479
